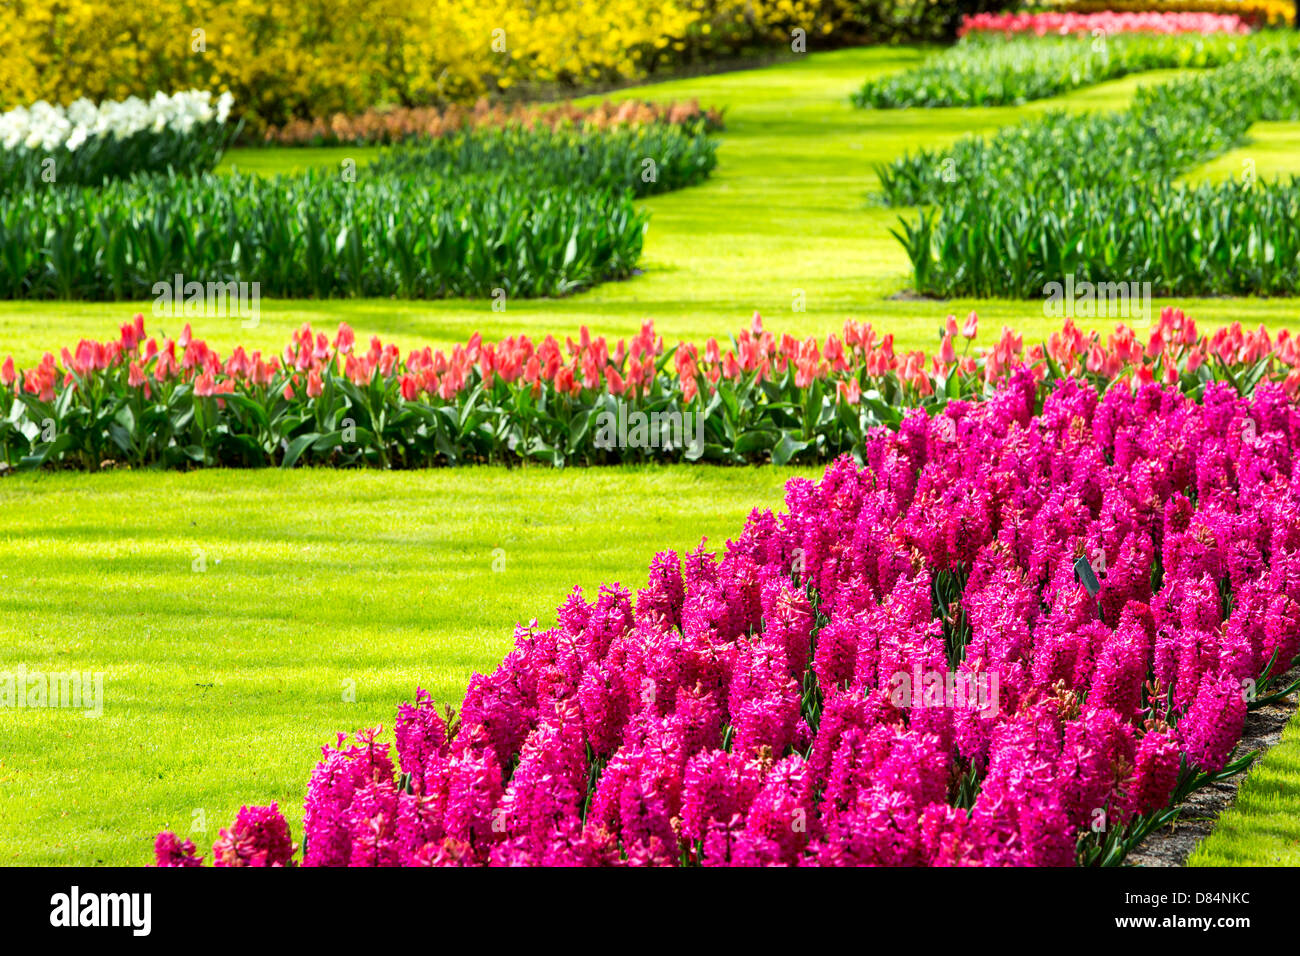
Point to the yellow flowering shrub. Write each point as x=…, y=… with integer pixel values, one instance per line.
x=457, y=49
x=278, y=57
x=309, y=58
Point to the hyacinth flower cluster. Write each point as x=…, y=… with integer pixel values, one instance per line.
x=904, y=667
x=148, y=400
x=258, y=837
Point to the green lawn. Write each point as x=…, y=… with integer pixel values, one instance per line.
x=1262, y=828
x=222, y=684
x=788, y=209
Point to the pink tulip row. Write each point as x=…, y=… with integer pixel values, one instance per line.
x=904, y=667
x=1109, y=23
x=1171, y=349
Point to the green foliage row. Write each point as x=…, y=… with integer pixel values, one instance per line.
x=650, y=158
x=100, y=159
x=316, y=235
x=530, y=212
x=1167, y=130
x=1094, y=195
x=992, y=70
x=1235, y=238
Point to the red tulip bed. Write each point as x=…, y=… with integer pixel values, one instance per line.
x=150, y=401
x=1021, y=631
x=1109, y=23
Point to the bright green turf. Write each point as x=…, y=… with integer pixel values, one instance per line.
x=271, y=160
x=1262, y=828
x=223, y=684
x=1274, y=150
x=788, y=208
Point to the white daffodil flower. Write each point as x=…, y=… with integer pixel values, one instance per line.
x=48, y=127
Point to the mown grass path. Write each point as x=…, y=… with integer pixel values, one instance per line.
x=233, y=615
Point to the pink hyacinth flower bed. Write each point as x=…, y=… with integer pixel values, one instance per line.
x=902, y=668
x=1109, y=23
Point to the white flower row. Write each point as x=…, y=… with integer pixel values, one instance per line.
x=47, y=127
